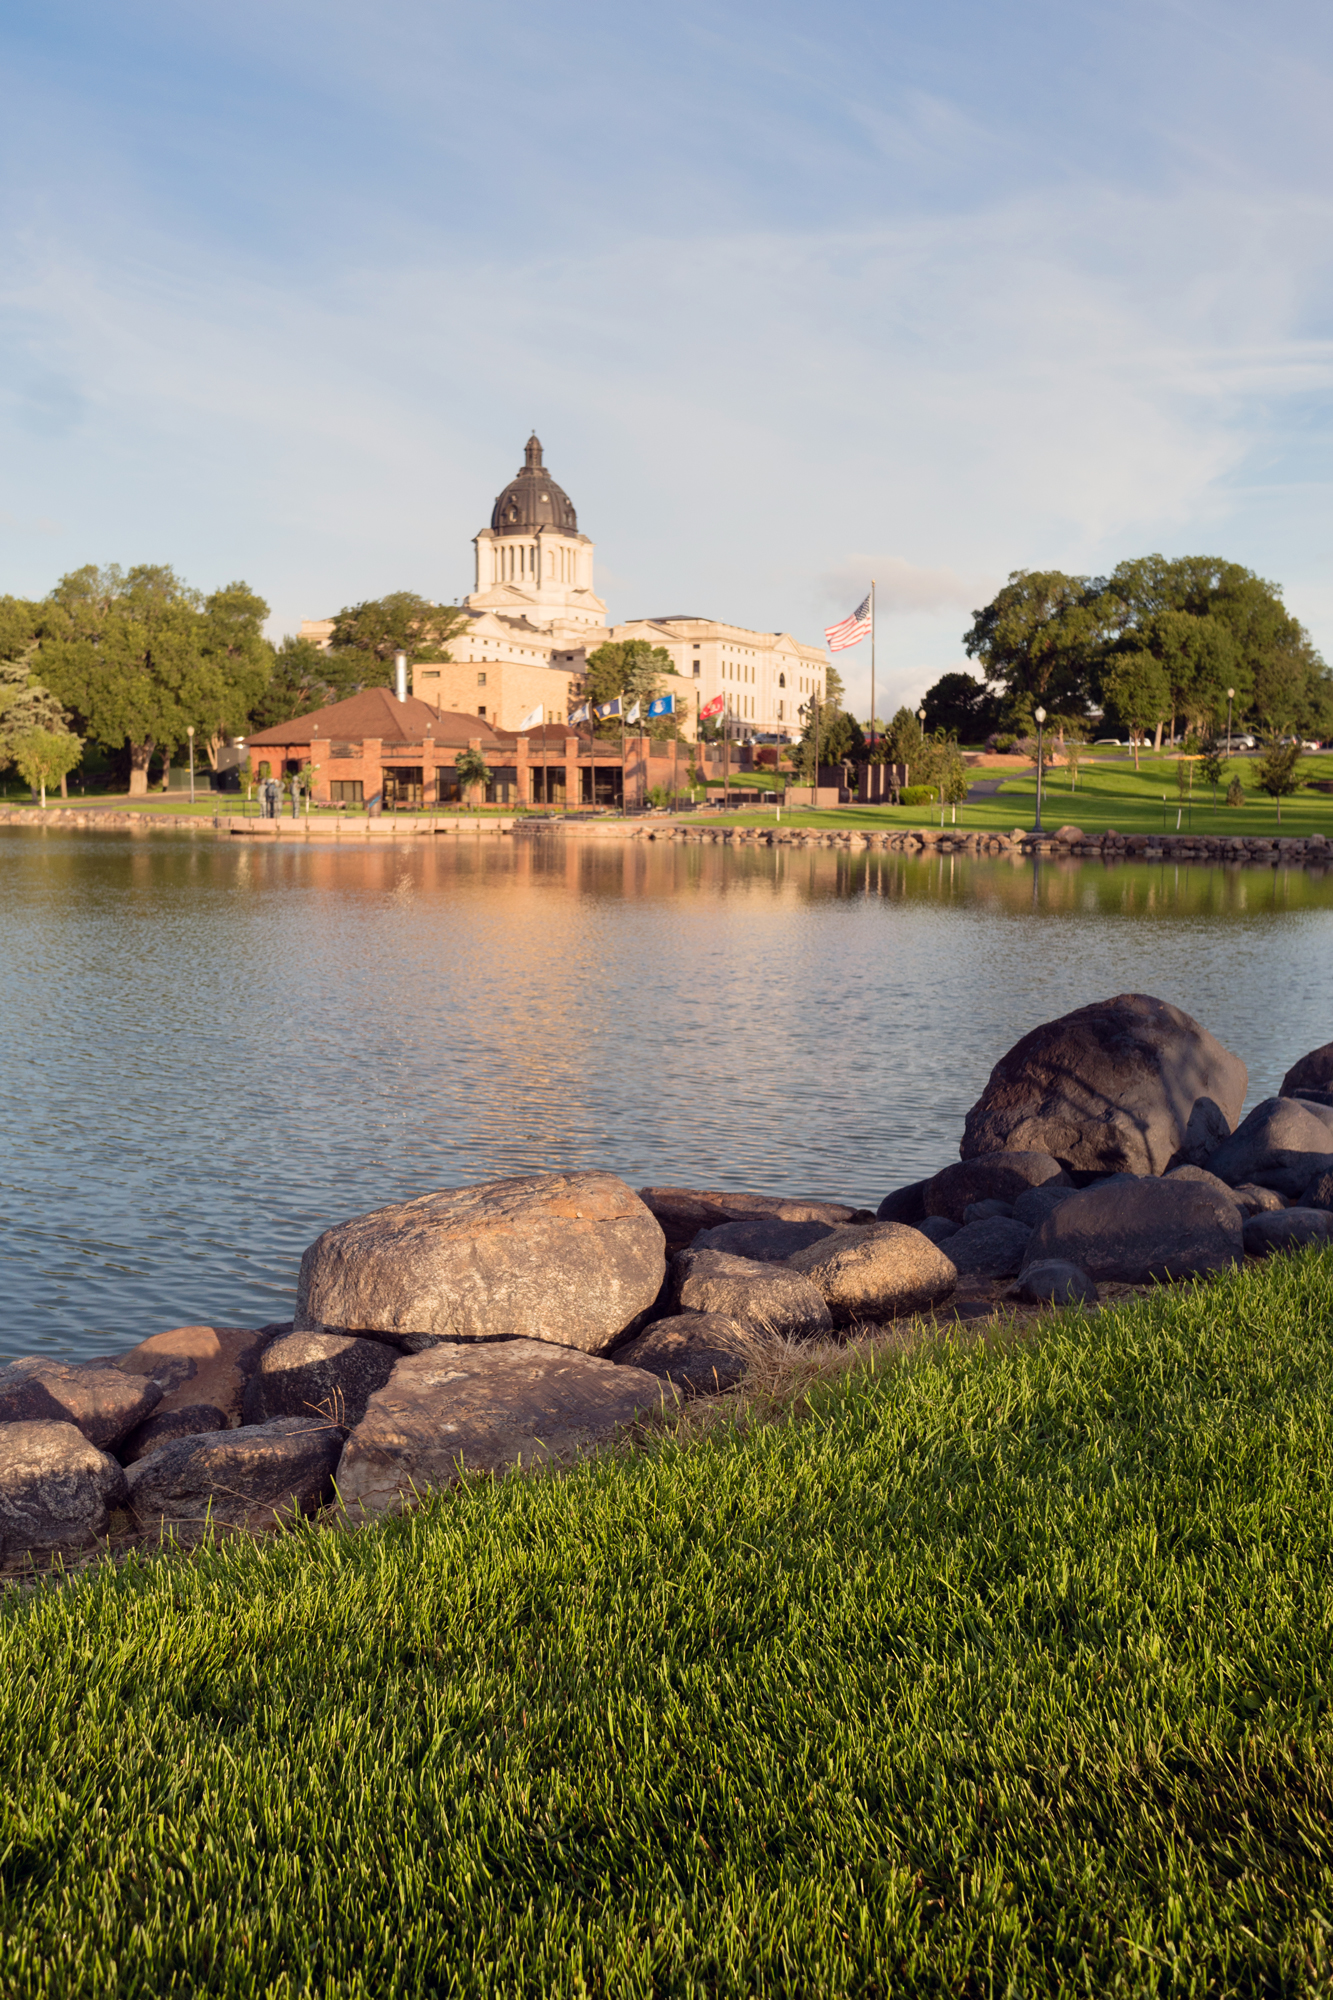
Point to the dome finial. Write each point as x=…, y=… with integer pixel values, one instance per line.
x=532, y=454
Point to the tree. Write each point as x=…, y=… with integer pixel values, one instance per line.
x=962, y=704
x=366, y=636
x=633, y=670
x=1278, y=772
x=233, y=641
x=296, y=685
x=1138, y=687
x=1212, y=766
x=45, y=756
x=473, y=770
x=1040, y=639
x=1074, y=748
x=837, y=735
x=903, y=741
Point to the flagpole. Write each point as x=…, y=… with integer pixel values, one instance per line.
x=872, y=666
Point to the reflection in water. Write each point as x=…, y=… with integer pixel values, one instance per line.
x=213, y=1051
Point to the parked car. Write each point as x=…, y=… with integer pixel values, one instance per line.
x=1109, y=743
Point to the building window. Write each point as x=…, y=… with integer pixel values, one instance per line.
x=345, y=791
x=780, y=711
x=782, y=682
x=481, y=680
x=482, y=709
x=696, y=670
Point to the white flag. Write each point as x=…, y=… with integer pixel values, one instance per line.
x=537, y=716
x=632, y=715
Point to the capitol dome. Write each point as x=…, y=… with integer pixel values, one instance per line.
x=533, y=500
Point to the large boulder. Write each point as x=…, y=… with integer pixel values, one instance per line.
x=56, y=1489
x=250, y=1479
x=1125, y=1085
x=992, y=1248
x=1056, y=1284
x=1034, y=1206
x=1283, y=1144
x=1318, y=1191
x=574, y=1259
x=201, y=1368
x=1000, y=1176
x=1290, y=1229
x=1314, y=1072
x=763, y=1237
x=97, y=1399
x=905, y=1204
x=699, y=1352
x=330, y=1375
x=1132, y=1231
x=683, y=1212
x=465, y=1408
x=190, y=1421
x=876, y=1271
x=765, y=1298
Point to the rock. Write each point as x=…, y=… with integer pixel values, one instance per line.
x=1126, y=1084
x=1001, y=1176
x=250, y=1478
x=905, y=1204
x=697, y=1351
x=1132, y=1231
x=1291, y=1229
x=1283, y=1144
x=327, y=1375
x=767, y=1298
x=191, y=1421
x=483, y=1409
x=1034, y=1206
x=1201, y=1178
x=986, y=1211
x=992, y=1249
x=762, y=1237
x=876, y=1271
x=574, y=1259
x=1313, y=1072
x=1057, y=1284
x=683, y=1212
x=56, y=1488
x=1318, y=1191
x=98, y=1400
x=937, y=1228
x=1252, y=1200
x=202, y=1367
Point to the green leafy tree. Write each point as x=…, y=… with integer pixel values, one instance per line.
x=1074, y=748
x=473, y=771
x=297, y=684
x=1138, y=688
x=963, y=705
x=1212, y=766
x=1235, y=793
x=233, y=642
x=1040, y=640
x=634, y=670
x=1278, y=772
x=45, y=756
x=903, y=741
x=837, y=736
x=366, y=636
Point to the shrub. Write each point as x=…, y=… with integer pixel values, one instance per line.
x=1005, y=744
x=918, y=795
x=1235, y=793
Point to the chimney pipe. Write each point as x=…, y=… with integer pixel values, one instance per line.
x=400, y=665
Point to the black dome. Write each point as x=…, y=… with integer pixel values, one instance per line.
x=533, y=500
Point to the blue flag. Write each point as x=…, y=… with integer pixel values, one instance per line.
x=608, y=708
x=580, y=714
x=664, y=705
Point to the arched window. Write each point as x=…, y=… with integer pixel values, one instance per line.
x=782, y=680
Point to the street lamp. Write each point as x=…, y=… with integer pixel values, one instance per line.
x=1231, y=696
x=1040, y=715
x=189, y=731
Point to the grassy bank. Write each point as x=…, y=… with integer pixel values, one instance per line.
x=998, y=1672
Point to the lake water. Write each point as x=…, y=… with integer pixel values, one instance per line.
x=213, y=1051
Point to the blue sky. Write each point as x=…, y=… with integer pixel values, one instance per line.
x=793, y=296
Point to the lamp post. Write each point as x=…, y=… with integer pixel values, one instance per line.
x=1040, y=715
x=1231, y=696
x=189, y=731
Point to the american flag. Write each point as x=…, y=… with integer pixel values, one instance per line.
x=851, y=631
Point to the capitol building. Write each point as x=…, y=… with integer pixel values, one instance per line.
x=534, y=616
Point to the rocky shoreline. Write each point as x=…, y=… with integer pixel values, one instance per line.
x=531, y=1320
x=1314, y=852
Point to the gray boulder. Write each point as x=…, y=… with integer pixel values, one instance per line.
x=1127, y=1084
x=767, y=1298
x=325, y=1375
x=56, y=1489
x=937, y=1228
x=199, y=1368
x=1252, y=1200
x=876, y=1271
x=1202, y=1178
x=101, y=1402
x=683, y=1212
x=1292, y=1229
x=190, y=1421
x=989, y=1249
x=699, y=1352
x=1283, y=1144
x=1318, y=1191
x=1314, y=1072
x=986, y=1211
x=1054, y=1283
x=1034, y=1206
x=1133, y=1231
x=249, y=1479
x=574, y=1259
x=905, y=1204
x=763, y=1237
x=1001, y=1176
x=466, y=1408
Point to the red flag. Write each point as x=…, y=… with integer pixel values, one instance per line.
x=713, y=707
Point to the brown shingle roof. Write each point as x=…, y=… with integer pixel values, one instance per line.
x=377, y=712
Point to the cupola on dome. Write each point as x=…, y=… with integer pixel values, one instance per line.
x=533, y=500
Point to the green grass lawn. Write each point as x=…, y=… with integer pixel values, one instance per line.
x=998, y=1672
